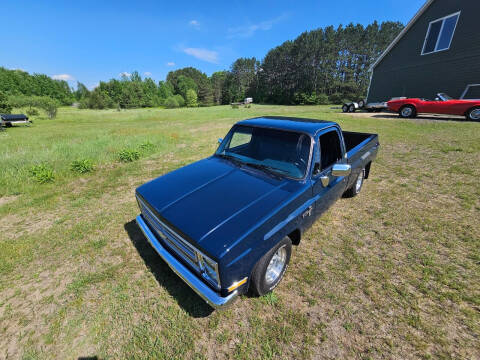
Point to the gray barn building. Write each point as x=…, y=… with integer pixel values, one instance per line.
x=438, y=51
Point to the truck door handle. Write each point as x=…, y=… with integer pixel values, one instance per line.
x=325, y=180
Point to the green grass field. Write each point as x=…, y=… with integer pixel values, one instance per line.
x=392, y=273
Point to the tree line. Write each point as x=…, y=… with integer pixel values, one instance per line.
x=19, y=82
x=327, y=65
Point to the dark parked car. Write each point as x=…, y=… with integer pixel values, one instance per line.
x=227, y=223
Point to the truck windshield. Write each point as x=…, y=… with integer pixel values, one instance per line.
x=282, y=152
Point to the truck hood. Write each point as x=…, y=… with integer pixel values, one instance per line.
x=214, y=202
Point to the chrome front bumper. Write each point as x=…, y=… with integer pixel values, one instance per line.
x=204, y=291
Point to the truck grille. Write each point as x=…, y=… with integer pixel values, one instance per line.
x=181, y=247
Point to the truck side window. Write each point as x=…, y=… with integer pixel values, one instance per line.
x=330, y=149
x=240, y=141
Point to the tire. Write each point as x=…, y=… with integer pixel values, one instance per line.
x=351, y=108
x=355, y=189
x=345, y=108
x=408, y=112
x=473, y=114
x=361, y=104
x=263, y=282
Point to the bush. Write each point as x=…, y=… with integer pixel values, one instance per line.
x=146, y=147
x=45, y=103
x=99, y=99
x=32, y=112
x=180, y=100
x=128, y=155
x=191, y=98
x=336, y=98
x=310, y=99
x=42, y=173
x=82, y=166
x=5, y=106
x=51, y=107
x=171, y=103
x=322, y=99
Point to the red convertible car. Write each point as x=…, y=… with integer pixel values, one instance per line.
x=443, y=104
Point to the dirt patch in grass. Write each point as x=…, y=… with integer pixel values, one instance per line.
x=15, y=226
x=7, y=199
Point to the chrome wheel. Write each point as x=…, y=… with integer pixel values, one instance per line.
x=276, y=265
x=475, y=114
x=358, y=184
x=407, y=111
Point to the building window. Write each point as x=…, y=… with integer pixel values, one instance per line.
x=440, y=34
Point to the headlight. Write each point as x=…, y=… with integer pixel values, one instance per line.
x=209, y=269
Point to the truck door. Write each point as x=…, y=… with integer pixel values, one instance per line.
x=327, y=188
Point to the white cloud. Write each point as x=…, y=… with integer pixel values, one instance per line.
x=126, y=74
x=93, y=86
x=246, y=31
x=170, y=63
x=65, y=77
x=202, y=54
x=147, y=73
x=194, y=23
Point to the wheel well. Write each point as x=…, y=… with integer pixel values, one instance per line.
x=410, y=105
x=367, y=169
x=473, y=107
x=295, y=236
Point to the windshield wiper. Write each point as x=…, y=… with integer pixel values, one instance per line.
x=231, y=158
x=266, y=168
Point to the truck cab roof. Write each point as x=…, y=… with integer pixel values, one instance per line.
x=309, y=126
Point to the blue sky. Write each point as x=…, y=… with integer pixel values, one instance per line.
x=90, y=41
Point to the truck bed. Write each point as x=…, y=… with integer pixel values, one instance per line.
x=353, y=139
x=356, y=139
x=362, y=149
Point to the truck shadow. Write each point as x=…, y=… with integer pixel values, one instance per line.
x=424, y=117
x=165, y=277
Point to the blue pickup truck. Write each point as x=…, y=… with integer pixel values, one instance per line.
x=226, y=224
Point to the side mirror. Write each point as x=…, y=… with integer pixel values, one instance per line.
x=220, y=140
x=340, y=170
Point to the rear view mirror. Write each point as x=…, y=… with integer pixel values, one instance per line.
x=340, y=170
x=220, y=140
